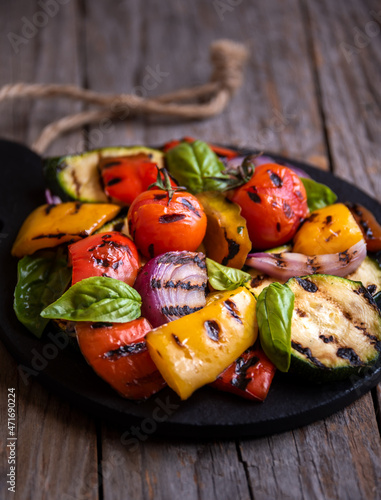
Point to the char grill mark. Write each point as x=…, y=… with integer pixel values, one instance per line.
x=213, y=330
x=306, y=351
x=170, y=218
x=179, y=311
x=232, y=309
x=125, y=350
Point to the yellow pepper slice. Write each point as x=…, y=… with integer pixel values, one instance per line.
x=331, y=229
x=193, y=350
x=226, y=240
x=50, y=225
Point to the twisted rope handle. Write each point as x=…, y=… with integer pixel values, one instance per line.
x=228, y=59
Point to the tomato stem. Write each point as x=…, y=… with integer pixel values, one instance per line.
x=163, y=182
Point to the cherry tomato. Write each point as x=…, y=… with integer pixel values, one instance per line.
x=105, y=254
x=158, y=225
x=124, y=178
x=250, y=376
x=117, y=352
x=273, y=202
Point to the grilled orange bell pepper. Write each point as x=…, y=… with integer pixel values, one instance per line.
x=193, y=350
x=331, y=229
x=226, y=239
x=50, y=225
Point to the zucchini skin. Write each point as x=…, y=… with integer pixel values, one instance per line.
x=90, y=188
x=356, y=340
x=50, y=167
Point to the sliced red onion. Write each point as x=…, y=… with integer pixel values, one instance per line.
x=51, y=199
x=172, y=285
x=286, y=265
x=232, y=164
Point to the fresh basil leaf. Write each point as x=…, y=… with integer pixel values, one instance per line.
x=97, y=299
x=318, y=195
x=196, y=167
x=274, y=313
x=224, y=277
x=42, y=278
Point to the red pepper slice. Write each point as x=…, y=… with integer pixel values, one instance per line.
x=117, y=352
x=368, y=224
x=105, y=254
x=250, y=375
x=125, y=177
x=219, y=150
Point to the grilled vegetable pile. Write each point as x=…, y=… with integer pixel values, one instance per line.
x=192, y=265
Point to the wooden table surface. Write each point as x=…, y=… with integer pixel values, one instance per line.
x=311, y=91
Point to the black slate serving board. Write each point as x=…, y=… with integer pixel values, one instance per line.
x=208, y=413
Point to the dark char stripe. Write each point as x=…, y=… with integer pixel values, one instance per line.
x=241, y=381
x=115, y=180
x=125, y=350
x=232, y=309
x=169, y=218
x=349, y=354
x=212, y=329
x=306, y=351
x=188, y=204
x=178, y=311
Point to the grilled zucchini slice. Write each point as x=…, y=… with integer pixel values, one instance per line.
x=369, y=273
x=77, y=177
x=336, y=327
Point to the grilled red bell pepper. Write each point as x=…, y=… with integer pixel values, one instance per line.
x=117, y=352
x=105, y=254
x=125, y=177
x=369, y=226
x=219, y=150
x=250, y=375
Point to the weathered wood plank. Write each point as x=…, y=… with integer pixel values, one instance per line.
x=155, y=469
x=270, y=112
x=56, y=446
x=333, y=458
x=347, y=48
x=277, y=109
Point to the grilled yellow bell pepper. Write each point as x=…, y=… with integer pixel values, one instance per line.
x=331, y=229
x=226, y=240
x=193, y=350
x=51, y=225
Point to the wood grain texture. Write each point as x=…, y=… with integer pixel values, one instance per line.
x=154, y=469
x=326, y=460
x=56, y=444
x=349, y=71
x=272, y=112
x=300, y=98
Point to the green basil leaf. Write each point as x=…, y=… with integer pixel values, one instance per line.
x=196, y=167
x=274, y=313
x=42, y=278
x=318, y=195
x=224, y=277
x=97, y=299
